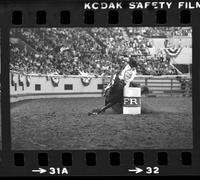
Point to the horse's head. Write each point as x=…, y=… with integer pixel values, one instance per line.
x=117, y=85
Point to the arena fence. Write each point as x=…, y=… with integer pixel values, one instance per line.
x=167, y=85
x=35, y=86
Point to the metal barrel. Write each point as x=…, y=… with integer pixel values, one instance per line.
x=132, y=100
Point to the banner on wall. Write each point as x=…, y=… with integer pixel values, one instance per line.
x=20, y=80
x=13, y=79
x=55, y=80
x=173, y=52
x=179, y=55
x=86, y=80
x=28, y=81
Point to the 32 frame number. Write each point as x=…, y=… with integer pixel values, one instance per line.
x=152, y=170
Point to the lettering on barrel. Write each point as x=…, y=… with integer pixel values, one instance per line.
x=132, y=101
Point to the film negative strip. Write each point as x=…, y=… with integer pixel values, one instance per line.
x=99, y=88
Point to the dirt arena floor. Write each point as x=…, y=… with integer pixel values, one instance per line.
x=62, y=124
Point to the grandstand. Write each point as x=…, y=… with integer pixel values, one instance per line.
x=97, y=51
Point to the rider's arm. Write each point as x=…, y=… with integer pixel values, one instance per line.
x=124, y=70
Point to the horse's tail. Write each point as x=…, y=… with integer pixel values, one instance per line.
x=144, y=90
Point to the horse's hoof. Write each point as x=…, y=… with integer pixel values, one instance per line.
x=89, y=114
x=92, y=113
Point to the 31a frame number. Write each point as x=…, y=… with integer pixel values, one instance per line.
x=59, y=171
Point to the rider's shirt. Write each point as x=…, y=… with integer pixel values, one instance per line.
x=127, y=74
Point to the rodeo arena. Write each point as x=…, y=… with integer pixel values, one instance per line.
x=61, y=80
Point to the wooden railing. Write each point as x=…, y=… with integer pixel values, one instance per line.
x=163, y=85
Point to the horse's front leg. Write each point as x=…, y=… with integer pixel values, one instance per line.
x=103, y=109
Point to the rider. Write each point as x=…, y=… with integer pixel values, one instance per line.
x=127, y=74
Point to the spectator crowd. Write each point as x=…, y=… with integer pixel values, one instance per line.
x=98, y=51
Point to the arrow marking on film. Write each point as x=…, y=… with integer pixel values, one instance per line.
x=40, y=170
x=136, y=170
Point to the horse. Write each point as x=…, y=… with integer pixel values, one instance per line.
x=114, y=95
